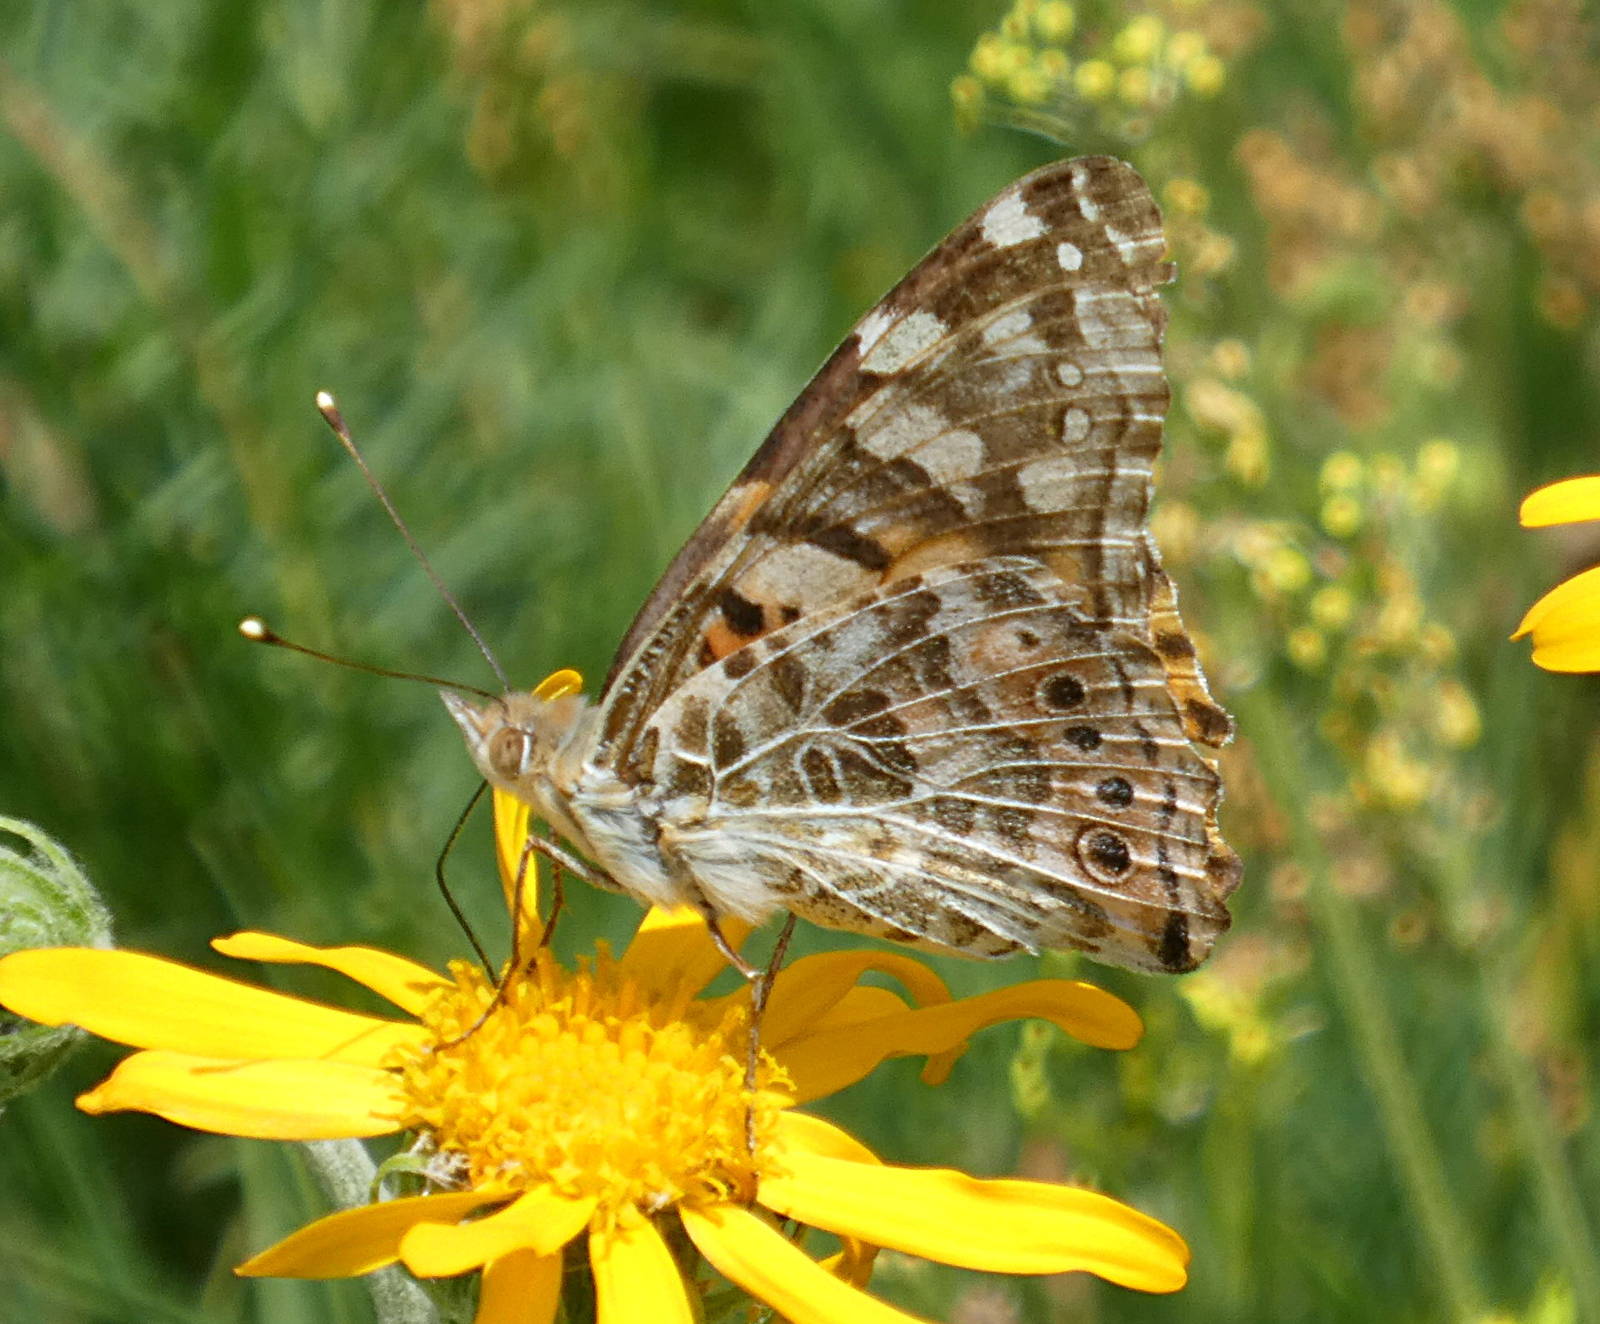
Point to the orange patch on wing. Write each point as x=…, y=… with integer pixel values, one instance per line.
x=722, y=640
x=750, y=502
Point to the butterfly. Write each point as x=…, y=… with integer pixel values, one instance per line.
x=920, y=674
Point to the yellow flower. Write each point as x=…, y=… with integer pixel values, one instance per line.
x=1565, y=623
x=606, y=1101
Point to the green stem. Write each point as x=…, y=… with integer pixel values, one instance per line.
x=1356, y=982
x=344, y=1170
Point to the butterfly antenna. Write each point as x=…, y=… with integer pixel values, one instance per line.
x=329, y=410
x=444, y=885
x=257, y=631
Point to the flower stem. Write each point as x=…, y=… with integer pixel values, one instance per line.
x=345, y=1170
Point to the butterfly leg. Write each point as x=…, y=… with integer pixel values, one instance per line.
x=573, y=864
x=558, y=898
x=760, y=980
x=760, y=994
x=729, y=952
x=529, y=845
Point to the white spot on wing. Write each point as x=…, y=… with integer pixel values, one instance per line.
x=1044, y=483
x=902, y=342
x=952, y=457
x=1123, y=242
x=1109, y=319
x=1070, y=256
x=802, y=571
x=1008, y=326
x=1075, y=425
x=1088, y=208
x=1010, y=222
x=1069, y=373
x=903, y=428
x=872, y=327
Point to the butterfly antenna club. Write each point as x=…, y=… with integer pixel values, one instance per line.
x=329, y=409
x=257, y=631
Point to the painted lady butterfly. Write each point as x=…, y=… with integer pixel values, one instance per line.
x=920, y=673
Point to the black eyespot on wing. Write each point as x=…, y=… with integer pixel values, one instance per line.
x=1117, y=792
x=1062, y=691
x=1104, y=854
x=1085, y=738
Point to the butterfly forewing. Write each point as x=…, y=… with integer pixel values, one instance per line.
x=1005, y=397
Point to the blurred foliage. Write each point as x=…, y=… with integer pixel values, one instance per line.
x=563, y=264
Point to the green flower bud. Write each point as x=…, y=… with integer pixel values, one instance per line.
x=45, y=901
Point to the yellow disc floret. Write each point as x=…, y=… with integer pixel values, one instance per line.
x=580, y=1082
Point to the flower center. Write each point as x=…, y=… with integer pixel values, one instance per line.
x=581, y=1081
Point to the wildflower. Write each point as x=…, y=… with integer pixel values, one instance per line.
x=1055, y=20
x=1307, y=647
x=606, y=1101
x=1205, y=74
x=1565, y=623
x=1341, y=515
x=1332, y=606
x=1095, y=79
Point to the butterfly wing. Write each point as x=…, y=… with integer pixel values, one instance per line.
x=967, y=759
x=1005, y=398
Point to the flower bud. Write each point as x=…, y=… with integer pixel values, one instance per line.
x=45, y=901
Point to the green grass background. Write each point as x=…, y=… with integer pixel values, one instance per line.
x=563, y=264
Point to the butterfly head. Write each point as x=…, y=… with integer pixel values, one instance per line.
x=516, y=738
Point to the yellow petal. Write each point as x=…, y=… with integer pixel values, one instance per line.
x=868, y=1003
x=854, y=1263
x=635, y=1277
x=1565, y=502
x=862, y=1004
x=812, y=1134
x=813, y=984
x=856, y=1006
x=1565, y=625
x=672, y=951
x=150, y=1003
x=997, y=1226
x=404, y=983
x=559, y=684
x=540, y=1221
x=357, y=1241
x=520, y=1288
x=276, y=1099
x=831, y=1059
x=512, y=824
x=769, y=1266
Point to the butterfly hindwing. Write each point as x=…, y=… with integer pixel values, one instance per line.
x=964, y=759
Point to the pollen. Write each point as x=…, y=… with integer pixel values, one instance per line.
x=579, y=1081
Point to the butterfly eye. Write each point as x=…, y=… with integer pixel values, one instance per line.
x=1104, y=854
x=509, y=751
